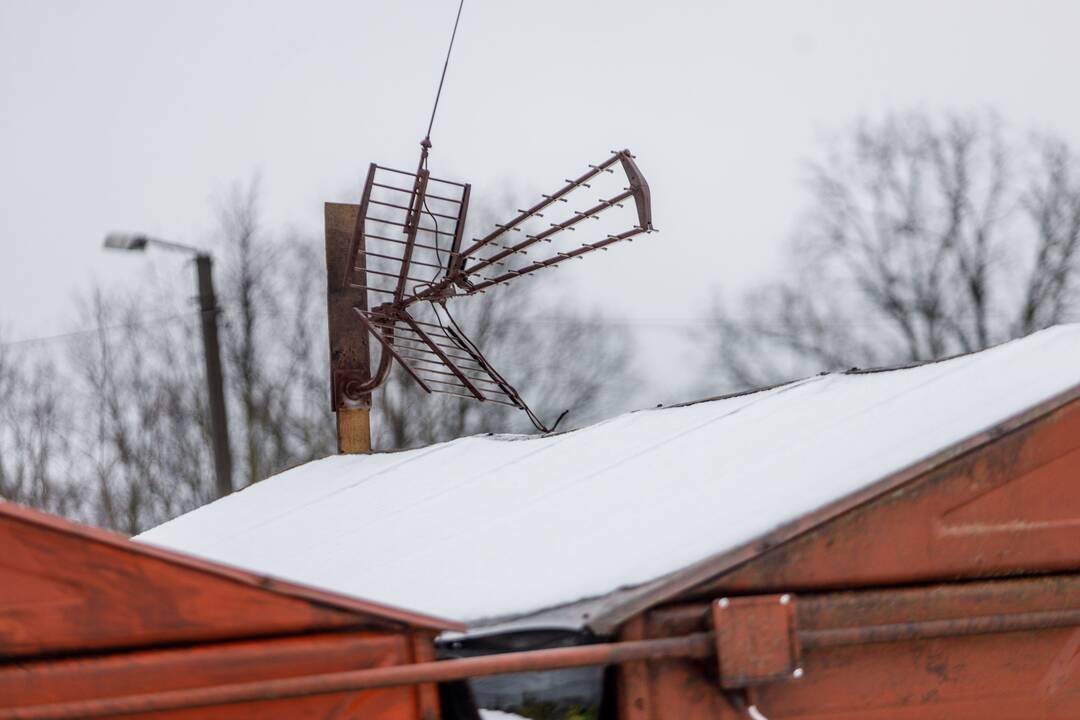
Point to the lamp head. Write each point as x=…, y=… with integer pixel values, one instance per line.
x=126, y=241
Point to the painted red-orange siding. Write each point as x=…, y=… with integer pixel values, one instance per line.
x=86, y=615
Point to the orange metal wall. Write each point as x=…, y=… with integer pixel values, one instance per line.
x=1021, y=675
x=59, y=592
x=66, y=680
x=1012, y=506
x=87, y=615
x=954, y=543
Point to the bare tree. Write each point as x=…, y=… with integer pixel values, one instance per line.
x=274, y=296
x=34, y=459
x=924, y=239
x=142, y=432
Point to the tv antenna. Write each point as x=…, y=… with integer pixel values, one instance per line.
x=408, y=256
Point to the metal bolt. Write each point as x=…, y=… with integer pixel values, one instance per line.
x=724, y=602
x=798, y=673
x=785, y=599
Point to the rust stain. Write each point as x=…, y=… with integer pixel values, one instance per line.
x=1063, y=666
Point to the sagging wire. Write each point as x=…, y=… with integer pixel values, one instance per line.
x=100, y=328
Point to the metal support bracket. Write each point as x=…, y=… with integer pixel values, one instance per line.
x=757, y=640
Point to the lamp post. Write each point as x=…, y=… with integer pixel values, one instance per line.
x=208, y=309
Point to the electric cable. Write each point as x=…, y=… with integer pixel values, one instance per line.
x=438, y=93
x=100, y=328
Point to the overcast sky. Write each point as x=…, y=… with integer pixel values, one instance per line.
x=137, y=114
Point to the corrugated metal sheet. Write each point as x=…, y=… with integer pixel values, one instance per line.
x=500, y=527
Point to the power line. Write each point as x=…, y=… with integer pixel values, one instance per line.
x=673, y=323
x=663, y=323
x=101, y=328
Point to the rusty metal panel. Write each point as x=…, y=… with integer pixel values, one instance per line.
x=1014, y=675
x=683, y=691
x=756, y=639
x=995, y=649
x=635, y=685
x=96, y=678
x=63, y=593
x=1011, y=506
x=674, y=688
x=68, y=588
x=422, y=650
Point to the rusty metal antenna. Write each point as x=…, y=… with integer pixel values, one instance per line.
x=408, y=256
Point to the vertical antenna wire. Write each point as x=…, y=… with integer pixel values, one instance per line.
x=426, y=143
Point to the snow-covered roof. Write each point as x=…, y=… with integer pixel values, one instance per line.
x=498, y=527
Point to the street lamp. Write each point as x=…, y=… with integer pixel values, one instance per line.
x=208, y=309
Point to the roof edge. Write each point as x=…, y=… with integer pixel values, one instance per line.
x=388, y=613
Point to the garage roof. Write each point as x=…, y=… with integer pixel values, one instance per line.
x=491, y=528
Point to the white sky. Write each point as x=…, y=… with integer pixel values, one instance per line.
x=136, y=114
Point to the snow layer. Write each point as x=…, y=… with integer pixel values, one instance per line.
x=503, y=526
x=499, y=715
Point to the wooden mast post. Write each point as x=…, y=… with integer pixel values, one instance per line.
x=349, y=352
